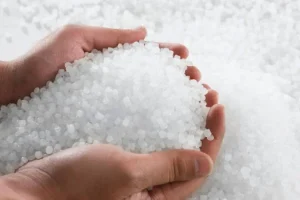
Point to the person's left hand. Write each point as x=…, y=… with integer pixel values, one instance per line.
x=68, y=44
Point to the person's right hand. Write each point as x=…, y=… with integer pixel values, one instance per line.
x=108, y=172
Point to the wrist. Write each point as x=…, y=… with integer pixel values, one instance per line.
x=28, y=185
x=6, y=82
x=18, y=79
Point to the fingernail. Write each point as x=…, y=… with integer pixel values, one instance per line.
x=203, y=167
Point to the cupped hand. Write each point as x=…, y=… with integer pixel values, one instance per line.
x=67, y=44
x=105, y=171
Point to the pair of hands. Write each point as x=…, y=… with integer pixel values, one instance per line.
x=105, y=171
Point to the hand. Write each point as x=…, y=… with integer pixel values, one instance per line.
x=67, y=44
x=108, y=172
x=79, y=173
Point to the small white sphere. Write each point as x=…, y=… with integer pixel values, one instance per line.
x=49, y=150
x=38, y=155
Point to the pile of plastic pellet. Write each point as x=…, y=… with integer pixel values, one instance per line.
x=248, y=50
x=135, y=96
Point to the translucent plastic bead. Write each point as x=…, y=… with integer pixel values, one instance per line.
x=49, y=150
x=38, y=155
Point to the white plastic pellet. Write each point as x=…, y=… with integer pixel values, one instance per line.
x=246, y=50
x=49, y=150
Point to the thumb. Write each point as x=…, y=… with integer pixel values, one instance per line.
x=171, y=166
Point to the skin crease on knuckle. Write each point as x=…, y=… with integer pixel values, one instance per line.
x=179, y=169
x=76, y=32
x=122, y=36
x=174, y=169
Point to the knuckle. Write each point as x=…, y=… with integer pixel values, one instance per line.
x=76, y=32
x=123, y=35
x=179, y=169
x=68, y=29
x=134, y=175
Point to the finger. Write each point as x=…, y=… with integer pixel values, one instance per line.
x=193, y=73
x=99, y=38
x=216, y=123
x=206, y=86
x=211, y=98
x=182, y=190
x=183, y=52
x=178, y=49
x=169, y=166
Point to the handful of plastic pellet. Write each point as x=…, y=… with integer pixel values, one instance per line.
x=134, y=96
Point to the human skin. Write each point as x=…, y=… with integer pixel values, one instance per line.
x=102, y=171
